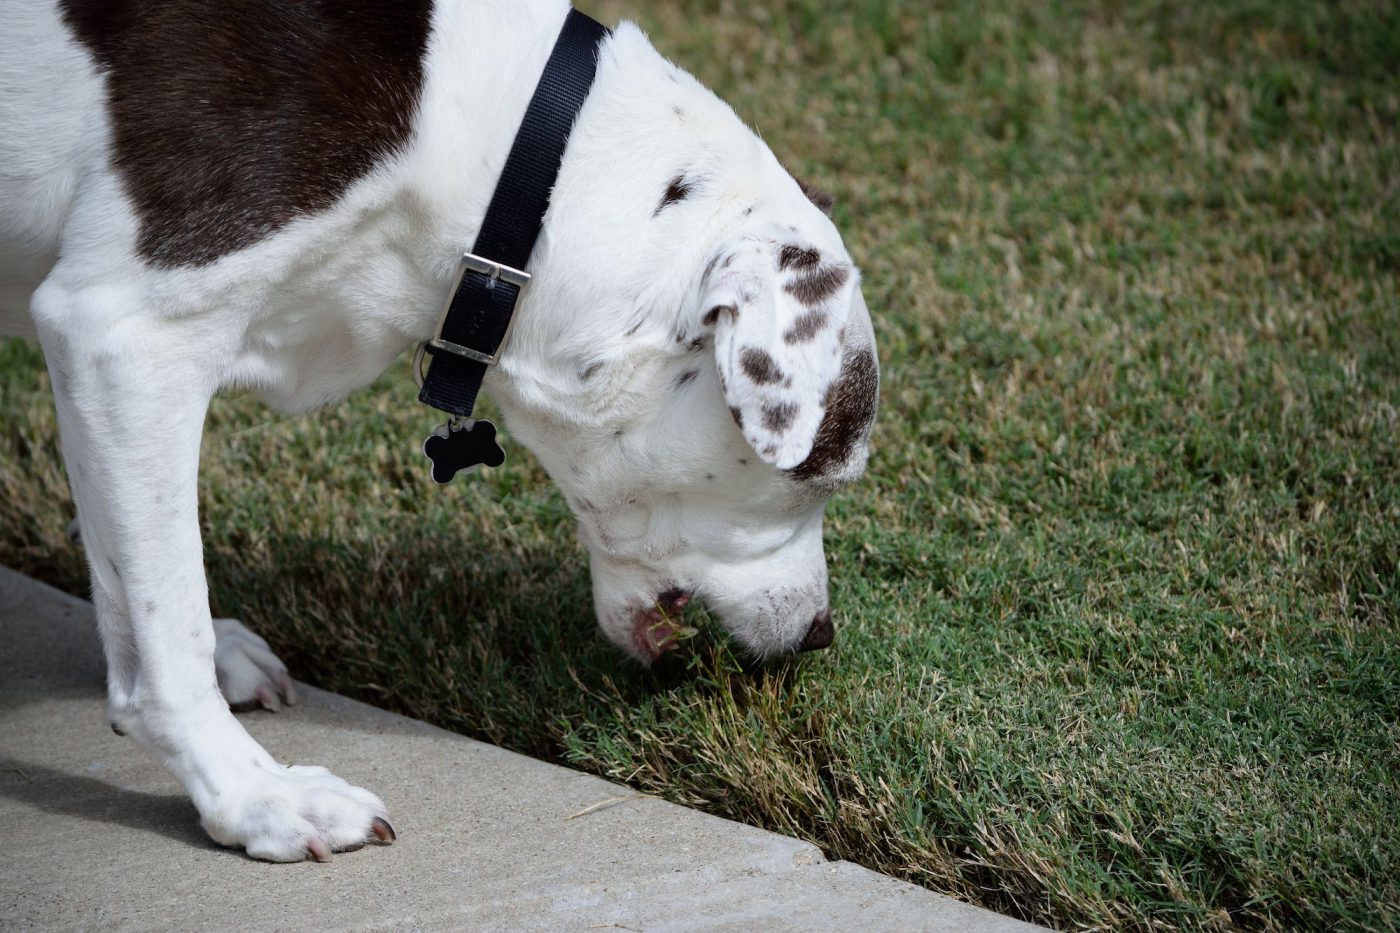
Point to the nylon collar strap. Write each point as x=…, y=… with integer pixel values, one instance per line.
x=476, y=320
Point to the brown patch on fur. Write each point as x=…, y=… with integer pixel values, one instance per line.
x=227, y=123
x=778, y=418
x=820, y=284
x=711, y=317
x=805, y=327
x=759, y=366
x=798, y=257
x=678, y=190
x=817, y=196
x=850, y=411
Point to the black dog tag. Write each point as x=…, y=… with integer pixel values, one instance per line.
x=462, y=445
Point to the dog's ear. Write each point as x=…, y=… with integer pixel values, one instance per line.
x=778, y=314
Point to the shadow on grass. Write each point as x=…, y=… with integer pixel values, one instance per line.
x=490, y=639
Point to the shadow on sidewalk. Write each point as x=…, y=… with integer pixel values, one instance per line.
x=171, y=815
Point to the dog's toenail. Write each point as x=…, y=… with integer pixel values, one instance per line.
x=382, y=830
x=319, y=850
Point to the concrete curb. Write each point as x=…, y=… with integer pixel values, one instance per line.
x=98, y=836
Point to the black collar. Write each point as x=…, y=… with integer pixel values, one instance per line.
x=476, y=320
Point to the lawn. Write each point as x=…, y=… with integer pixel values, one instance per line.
x=1119, y=600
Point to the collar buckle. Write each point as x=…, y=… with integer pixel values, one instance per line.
x=494, y=272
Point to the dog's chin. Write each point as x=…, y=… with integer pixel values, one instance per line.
x=646, y=635
x=648, y=631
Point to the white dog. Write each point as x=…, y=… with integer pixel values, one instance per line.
x=275, y=195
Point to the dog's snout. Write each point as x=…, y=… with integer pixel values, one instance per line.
x=819, y=633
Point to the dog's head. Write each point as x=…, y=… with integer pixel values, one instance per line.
x=695, y=366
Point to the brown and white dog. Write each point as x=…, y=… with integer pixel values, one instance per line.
x=275, y=194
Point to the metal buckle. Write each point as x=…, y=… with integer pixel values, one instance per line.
x=496, y=272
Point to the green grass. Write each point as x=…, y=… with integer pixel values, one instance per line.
x=1118, y=601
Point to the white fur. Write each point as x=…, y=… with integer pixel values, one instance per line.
x=669, y=493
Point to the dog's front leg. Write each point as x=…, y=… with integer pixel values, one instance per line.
x=131, y=394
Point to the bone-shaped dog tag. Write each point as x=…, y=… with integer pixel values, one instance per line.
x=462, y=445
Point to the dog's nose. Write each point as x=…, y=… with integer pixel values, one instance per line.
x=820, y=633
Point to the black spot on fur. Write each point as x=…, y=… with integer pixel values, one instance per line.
x=711, y=317
x=759, y=366
x=818, y=285
x=633, y=329
x=697, y=344
x=738, y=416
x=227, y=125
x=678, y=190
x=591, y=371
x=805, y=327
x=778, y=418
x=850, y=411
x=798, y=257
x=686, y=377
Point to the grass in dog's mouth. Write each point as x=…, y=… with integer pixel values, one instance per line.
x=1117, y=603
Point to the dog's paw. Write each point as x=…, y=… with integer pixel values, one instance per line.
x=298, y=813
x=249, y=674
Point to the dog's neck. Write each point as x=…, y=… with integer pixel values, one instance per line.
x=614, y=217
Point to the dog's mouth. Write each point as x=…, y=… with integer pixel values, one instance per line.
x=659, y=628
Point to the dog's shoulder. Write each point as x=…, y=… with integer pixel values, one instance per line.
x=228, y=121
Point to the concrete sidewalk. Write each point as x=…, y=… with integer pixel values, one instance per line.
x=99, y=837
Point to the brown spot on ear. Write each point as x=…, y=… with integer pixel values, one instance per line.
x=820, y=284
x=759, y=366
x=711, y=317
x=778, y=418
x=798, y=257
x=227, y=124
x=805, y=327
x=678, y=190
x=850, y=411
